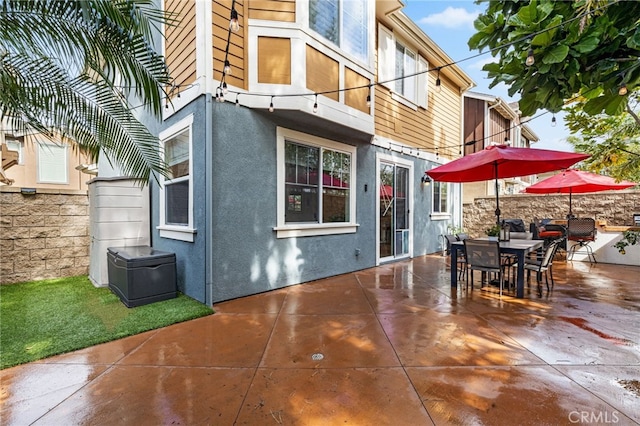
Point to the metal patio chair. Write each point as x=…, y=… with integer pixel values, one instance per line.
x=462, y=257
x=543, y=264
x=484, y=256
x=582, y=232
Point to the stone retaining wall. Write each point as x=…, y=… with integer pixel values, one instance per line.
x=45, y=235
x=615, y=207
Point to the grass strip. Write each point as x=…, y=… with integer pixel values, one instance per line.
x=39, y=319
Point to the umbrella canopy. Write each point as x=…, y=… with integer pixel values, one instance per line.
x=574, y=181
x=503, y=161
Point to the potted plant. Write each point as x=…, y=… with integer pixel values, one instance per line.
x=493, y=232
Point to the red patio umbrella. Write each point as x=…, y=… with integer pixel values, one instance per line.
x=503, y=161
x=574, y=181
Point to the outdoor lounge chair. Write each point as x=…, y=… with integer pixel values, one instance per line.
x=582, y=232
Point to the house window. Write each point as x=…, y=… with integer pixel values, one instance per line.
x=405, y=65
x=16, y=146
x=440, y=197
x=402, y=69
x=176, y=198
x=345, y=23
x=52, y=163
x=315, y=181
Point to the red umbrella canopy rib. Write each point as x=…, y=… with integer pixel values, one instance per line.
x=577, y=181
x=503, y=161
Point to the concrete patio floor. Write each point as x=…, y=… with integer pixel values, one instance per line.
x=392, y=345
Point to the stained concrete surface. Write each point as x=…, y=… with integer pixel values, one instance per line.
x=392, y=345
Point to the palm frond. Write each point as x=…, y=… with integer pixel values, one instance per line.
x=69, y=68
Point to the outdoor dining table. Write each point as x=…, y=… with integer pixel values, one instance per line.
x=517, y=247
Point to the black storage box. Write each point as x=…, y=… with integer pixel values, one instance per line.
x=140, y=275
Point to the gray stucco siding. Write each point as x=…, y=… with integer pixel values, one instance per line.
x=236, y=251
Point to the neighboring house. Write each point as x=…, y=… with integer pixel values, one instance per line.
x=489, y=120
x=35, y=162
x=261, y=199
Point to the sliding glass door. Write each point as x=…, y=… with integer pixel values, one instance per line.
x=393, y=220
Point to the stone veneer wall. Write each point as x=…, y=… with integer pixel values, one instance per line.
x=42, y=236
x=615, y=207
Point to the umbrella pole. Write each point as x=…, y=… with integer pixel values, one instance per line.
x=495, y=165
x=570, y=212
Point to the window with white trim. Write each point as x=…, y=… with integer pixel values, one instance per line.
x=440, y=197
x=316, y=178
x=15, y=146
x=345, y=23
x=176, y=192
x=53, y=163
x=401, y=68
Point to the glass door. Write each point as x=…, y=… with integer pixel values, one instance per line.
x=393, y=220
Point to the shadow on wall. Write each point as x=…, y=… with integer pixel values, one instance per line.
x=288, y=263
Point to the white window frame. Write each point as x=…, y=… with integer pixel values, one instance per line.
x=370, y=17
x=177, y=232
x=16, y=146
x=387, y=41
x=440, y=215
x=291, y=230
x=61, y=153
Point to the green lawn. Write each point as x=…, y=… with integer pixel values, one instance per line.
x=44, y=318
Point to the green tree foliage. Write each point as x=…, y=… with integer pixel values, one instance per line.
x=612, y=141
x=584, y=47
x=78, y=70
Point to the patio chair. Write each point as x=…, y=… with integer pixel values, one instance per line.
x=582, y=232
x=543, y=264
x=548, y=233
x=462, y=236
x=462, y=258
x=484, y=256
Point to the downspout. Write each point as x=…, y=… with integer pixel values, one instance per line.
x=204, y=65
x=208, y=147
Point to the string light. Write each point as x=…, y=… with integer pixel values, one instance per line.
x=623, y=90
x=530, y=59
x=438, y=86
x=315, y=105
x=237, y=100
x=553, y=121
x=234, y=25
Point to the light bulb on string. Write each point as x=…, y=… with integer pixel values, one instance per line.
x=237, y=100
x=225, y=90
x=369, y=97
x=315, y=105
x=271, y=105
x=234, y=25
x=227, y=67
x=553, y=121
x=623, y=90
x=530, y=58
x=438, y=83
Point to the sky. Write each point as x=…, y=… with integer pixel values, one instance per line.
x=450, y=25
